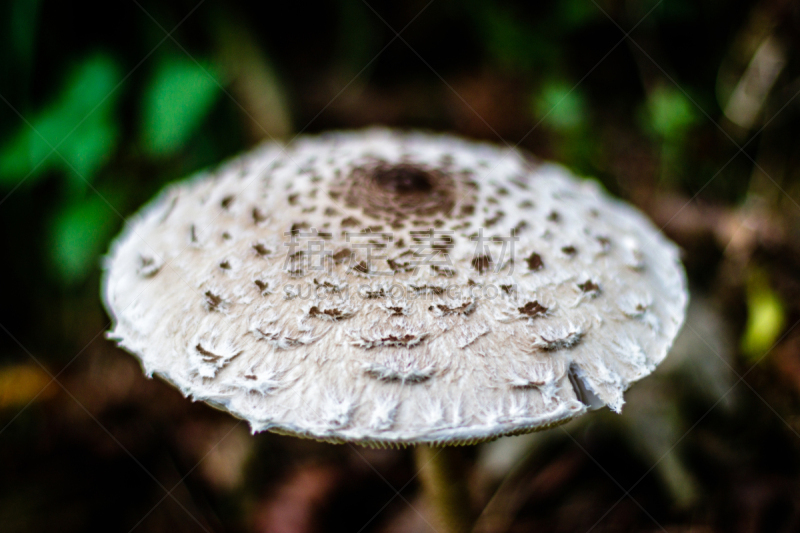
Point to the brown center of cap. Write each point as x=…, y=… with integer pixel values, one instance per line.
x=398, y=192
x=403, y=179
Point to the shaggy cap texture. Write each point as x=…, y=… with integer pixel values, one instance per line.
x=395, y=288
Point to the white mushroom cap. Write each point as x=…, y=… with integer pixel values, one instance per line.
x=395, y=288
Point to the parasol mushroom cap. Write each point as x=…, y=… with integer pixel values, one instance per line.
x=395, y=288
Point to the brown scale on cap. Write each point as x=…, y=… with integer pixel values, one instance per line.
x=331, y=314
x=533, y=309
x=535, y=262
x=589, y=287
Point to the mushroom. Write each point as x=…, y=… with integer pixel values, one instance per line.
x=386, y=288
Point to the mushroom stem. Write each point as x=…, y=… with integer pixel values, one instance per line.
x=445, y=486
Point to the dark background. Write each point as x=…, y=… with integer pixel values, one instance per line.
x=687, y=109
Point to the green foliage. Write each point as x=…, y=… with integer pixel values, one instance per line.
x=766, y=316
x=179, y=96
x=79, y=234
x=575, y=14
x=509, y=40
x=520, y=42
x=561, y=106
x=75, y=133
x=670, y=113
x=668, y=117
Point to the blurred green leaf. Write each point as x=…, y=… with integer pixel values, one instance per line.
x=79, y=235
x=79, y=124
x=766, y=316
x=178, y=98
x=509, y=39
x=90, y=145
x=560, y=106
x=670, y=113
x=576, y=13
